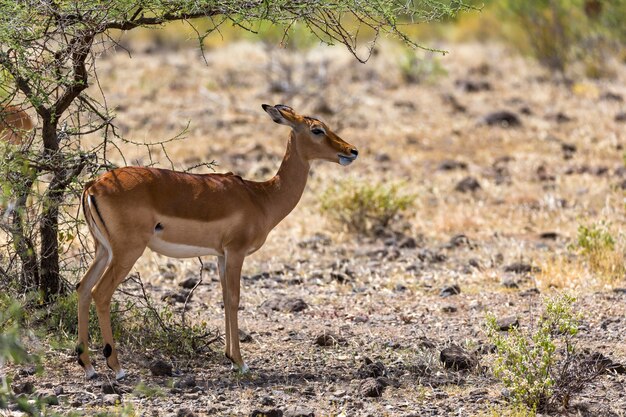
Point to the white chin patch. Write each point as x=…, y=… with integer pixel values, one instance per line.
x=345, y=161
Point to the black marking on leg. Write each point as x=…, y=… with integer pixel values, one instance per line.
x=107, y=350
x=158, y=227
x=79, y=349
x=77, y=286
x=228, y=357
x=80, y=362
x=95, y=206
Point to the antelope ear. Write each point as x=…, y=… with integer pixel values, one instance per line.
x=276, y=115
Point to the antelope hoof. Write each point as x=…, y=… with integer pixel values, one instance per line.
x=241, y=370
x=119, y=375
x=90, y=373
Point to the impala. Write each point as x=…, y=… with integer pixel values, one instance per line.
x=186, y=215
x=14, y=124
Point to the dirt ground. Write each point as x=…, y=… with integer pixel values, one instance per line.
x=379, y=298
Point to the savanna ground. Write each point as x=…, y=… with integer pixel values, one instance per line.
x=379, y=297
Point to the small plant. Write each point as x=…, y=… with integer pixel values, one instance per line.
x=542, y=367
x=598, y=246
x=416, y=69
x=364, y=207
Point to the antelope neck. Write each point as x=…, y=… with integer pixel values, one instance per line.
x=286, y=187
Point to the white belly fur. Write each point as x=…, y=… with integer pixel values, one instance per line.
x=177, y=250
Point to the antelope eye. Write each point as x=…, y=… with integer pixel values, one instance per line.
x=317, y=131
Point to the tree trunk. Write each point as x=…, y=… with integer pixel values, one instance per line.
x=24, y=246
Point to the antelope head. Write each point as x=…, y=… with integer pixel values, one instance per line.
x=313, y=138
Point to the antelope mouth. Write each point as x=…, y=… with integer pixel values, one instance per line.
x=346, y=159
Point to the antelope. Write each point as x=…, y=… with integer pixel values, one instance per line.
x=14, y=124
x=185, y=215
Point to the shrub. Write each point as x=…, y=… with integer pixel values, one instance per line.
x=598, y=246
x=364, y=207
x=560, y=32
x=542, y=367
x=418, y=67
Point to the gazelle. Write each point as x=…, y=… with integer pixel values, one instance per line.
x=14, y=124
x=188, y=215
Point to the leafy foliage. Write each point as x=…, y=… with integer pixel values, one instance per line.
x=364, y=207
x=601, y=250
x=542, y=367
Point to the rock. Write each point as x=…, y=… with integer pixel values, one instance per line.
x=371, y=387
x=329, y=339
x=340, y=277
x=187, y=382
x=160, y=368
x=189, y=283
x=600, y=362
x=267, y=401
x=25, y=387
x=459, y=240
x=175, y=297
x=47, y=397
x=473, y=86
x=269, y=413
x=611, y=96
x=457, y=358
x=507, y=323
x=450, y=290
x=509, y=283
x=407, y=243
x=59, y=390
x=382, y=157
x=286, y=304
x=317, y=241
x=521, y=268
x=110, y=388
x=449, y=308
x=370, y=369
x=111, y=399
x=468, y=184
x=549, y=235
x=620, y=117
x=298, y=412
x=530, y=292
x=502, y=118
x=569, y=149
x=168, y=275
x=619, y=290
x=451, y=165
x=244, y=337
x=185, y=412
x=27, y=371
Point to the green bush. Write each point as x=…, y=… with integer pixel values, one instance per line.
x=601, y=250
x=537, y=365
x=364, y=207
x=560, y=32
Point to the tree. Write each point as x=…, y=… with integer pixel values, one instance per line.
x=48, y=54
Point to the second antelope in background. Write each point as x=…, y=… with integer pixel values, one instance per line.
x=186, y=215
x=14, y=124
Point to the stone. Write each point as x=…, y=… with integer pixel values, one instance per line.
x=371, y=387
x=503, y=118
x=298, y=412
x=449, y=308
x=269, y=413
x=244, y=337
x=370, y=369
x=450, y=290
x=452, y=165
x=507, y=323
x=189, y=283
x=509, y=283
x=26, y=387
x=468, y=184
x=329, y=339
x=160, y=368
x=185, y=412
x=111, y=399
x=521, y=268
x=456, y=358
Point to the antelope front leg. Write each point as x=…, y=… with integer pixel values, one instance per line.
x=102, y=294
x=221, y=268
x=234, y=262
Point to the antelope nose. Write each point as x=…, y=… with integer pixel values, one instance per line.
x=354, y=152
